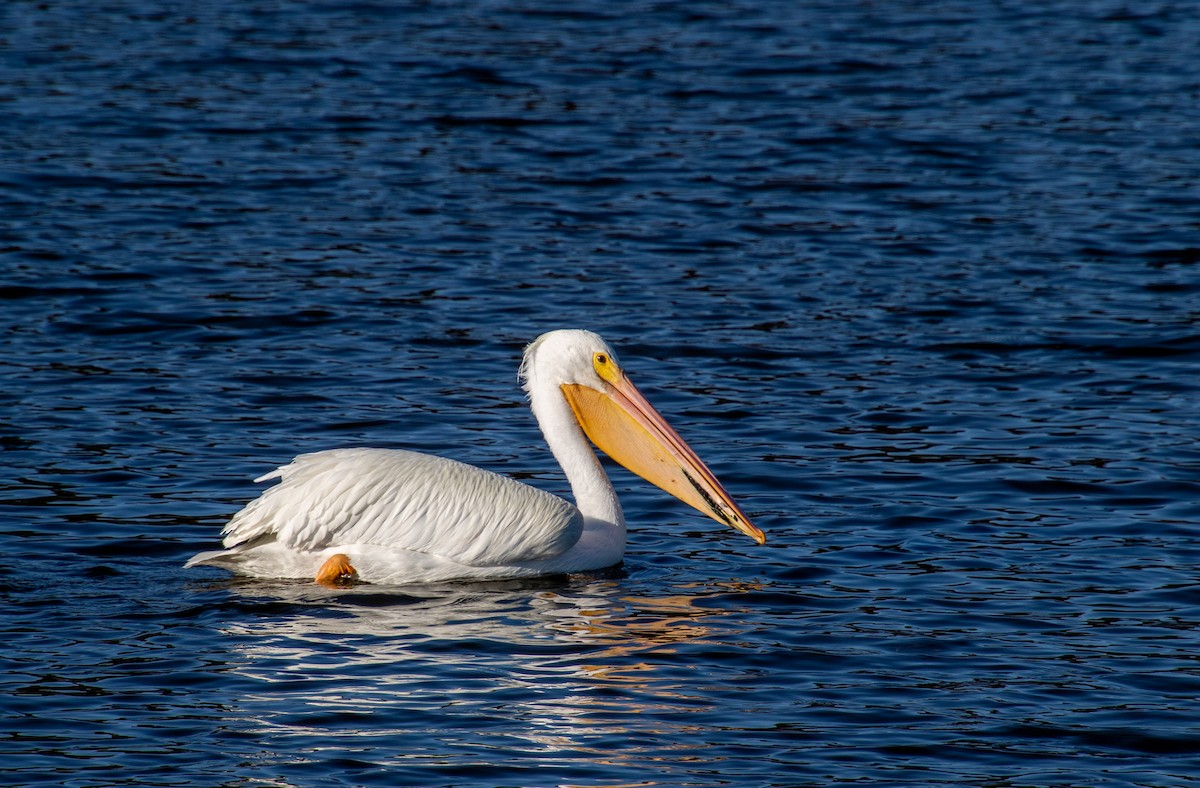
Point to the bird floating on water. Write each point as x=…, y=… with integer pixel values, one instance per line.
x=390, y=516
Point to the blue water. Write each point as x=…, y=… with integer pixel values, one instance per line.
x=917, y=279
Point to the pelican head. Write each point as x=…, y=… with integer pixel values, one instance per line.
x=620, y=422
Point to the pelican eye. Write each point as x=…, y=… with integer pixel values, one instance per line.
x=606, y=367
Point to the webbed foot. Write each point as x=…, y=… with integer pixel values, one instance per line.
x=337, y=572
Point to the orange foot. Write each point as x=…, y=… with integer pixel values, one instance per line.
x=336, y=572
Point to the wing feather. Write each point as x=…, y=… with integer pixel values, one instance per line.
x=401, y=499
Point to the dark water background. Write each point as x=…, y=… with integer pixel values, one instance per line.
x=917, y=279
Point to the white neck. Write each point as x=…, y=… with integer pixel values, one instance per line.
x=594, y=493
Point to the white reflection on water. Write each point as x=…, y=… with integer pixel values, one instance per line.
x=578, y=670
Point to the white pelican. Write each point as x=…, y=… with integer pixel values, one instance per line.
x=389, y=516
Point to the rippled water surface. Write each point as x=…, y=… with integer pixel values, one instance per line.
x=917, y=279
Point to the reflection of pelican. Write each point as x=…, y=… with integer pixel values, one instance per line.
x=567, y=666
x=402, y=517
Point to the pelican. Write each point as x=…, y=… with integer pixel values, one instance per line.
x=390, y=516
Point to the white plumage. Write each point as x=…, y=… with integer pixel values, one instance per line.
x=404, y=517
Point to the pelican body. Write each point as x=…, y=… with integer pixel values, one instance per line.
x=389, y=516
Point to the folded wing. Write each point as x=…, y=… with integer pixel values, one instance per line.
x=410, y=501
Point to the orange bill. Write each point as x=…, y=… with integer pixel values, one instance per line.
x=622, y=424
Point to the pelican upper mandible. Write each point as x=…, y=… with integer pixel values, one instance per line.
x=391, y=516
